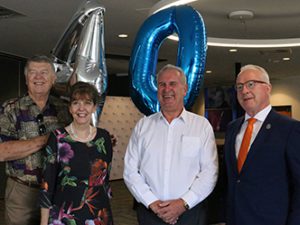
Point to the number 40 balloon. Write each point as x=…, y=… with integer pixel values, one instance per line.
x=187, y=23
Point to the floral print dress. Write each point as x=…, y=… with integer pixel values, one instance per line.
x=75, y=183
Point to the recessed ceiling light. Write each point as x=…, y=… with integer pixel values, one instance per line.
x=276, y=61
x=173, y=37
x=121, y=74
x=233, y=50
x=286, y=59
x=241, y=15
x=208, y=71
x=123, y=35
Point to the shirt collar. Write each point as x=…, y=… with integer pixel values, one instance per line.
x=261, y=116
x=27, y=101
x=51, y=101
x=182, y=116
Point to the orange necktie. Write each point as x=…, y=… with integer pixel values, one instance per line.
x=245, y=144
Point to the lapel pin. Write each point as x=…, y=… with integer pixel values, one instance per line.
x=268, y=126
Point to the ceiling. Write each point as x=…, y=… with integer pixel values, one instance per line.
x=42, y=22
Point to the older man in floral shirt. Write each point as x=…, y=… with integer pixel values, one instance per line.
x=25, y=124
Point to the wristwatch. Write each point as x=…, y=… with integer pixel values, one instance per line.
x=186, y=206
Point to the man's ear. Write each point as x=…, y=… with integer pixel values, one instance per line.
x=270, y=88
x=186, y=88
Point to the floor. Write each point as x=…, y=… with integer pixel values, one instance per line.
x=121, y=204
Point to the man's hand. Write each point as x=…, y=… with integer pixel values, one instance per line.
x=169, y=211
x=155, y=206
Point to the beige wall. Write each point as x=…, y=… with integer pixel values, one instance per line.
x=287, y=92
x=119, y=117
x=198, y=106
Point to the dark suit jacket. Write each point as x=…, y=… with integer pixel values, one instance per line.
x=267, y=191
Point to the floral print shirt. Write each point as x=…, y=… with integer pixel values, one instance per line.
x=75, y=183
x=18, y=121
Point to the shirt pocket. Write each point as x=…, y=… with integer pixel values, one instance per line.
x=190, y=146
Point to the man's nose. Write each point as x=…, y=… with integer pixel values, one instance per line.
x=38, y=75
x=168, y=87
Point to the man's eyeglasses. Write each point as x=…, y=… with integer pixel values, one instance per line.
x=42, y=127
x=250, y=84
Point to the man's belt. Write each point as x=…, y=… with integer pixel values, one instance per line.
x=28, y=184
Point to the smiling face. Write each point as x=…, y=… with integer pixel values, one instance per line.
x=81, y=108
x=254, y=99
x=40, y=78
x=171, y=91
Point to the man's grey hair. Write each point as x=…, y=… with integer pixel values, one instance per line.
x=172, y=67
x=262, y=71
x=38, y=59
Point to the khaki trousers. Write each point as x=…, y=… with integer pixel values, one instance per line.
x=21, y=204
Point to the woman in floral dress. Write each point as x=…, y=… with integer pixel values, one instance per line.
x=77, y=163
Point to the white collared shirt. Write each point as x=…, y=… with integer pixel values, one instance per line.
x=260, y=118
x=168, y=161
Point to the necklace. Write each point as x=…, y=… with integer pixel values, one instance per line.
x=88, y=138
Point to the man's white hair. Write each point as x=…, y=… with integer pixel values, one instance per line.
x=172, y=67
x=263, y=72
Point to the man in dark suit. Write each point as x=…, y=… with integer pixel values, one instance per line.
x=264, y=179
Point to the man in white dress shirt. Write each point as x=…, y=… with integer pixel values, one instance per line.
x=171, y=163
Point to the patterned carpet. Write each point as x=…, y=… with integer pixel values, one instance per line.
x=122, y=203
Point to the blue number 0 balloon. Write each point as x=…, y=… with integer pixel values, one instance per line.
x=187, y=23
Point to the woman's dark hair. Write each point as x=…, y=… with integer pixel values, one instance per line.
x=82, y=90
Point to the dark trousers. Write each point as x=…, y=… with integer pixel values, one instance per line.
x=194, y=216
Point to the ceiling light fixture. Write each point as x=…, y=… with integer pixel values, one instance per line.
x=248, y=43
x=241, y=15
x=253, y=43
x=286, y=59
x=173, y=37
x=233, y=50
x=168, y=3
x=122, y=35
